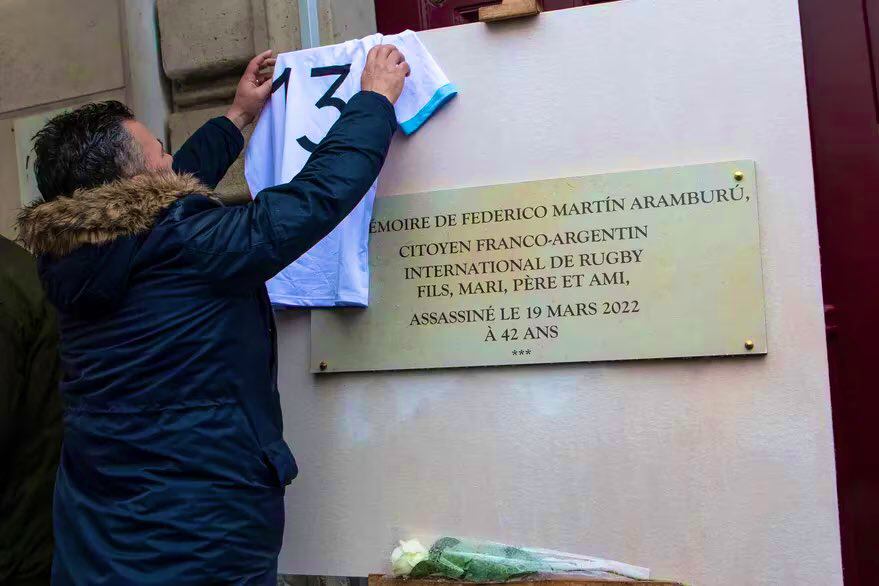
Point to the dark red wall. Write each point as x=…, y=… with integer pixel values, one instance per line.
x=393, y=16
x=839, y=41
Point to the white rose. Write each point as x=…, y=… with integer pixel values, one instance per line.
x=406, y=556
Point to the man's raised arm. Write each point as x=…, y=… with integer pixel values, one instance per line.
x=249, y=244
x=212, y=149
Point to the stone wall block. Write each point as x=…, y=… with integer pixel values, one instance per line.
x=205, y=38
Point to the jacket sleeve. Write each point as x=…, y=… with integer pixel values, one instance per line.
x=210, y=151
x=251, y=243
x=29, y=368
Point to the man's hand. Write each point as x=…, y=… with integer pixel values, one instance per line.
x=253, y=90
x=384, y=72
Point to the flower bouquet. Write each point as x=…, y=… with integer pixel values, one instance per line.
x=485, y=561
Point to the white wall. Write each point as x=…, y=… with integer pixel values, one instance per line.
x=714, y=472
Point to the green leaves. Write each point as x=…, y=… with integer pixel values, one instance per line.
x=477, y=561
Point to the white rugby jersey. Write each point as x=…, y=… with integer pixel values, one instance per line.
x=309, y=91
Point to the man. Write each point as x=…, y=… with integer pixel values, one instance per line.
x=173, y=466
x=30, y=420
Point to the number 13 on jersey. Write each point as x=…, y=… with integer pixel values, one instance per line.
x=328, y=100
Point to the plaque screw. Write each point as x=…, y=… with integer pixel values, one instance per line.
x=738, y=175
x=749, y=344
x=323, y=365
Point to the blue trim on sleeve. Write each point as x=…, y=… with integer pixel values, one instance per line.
x=439, y=98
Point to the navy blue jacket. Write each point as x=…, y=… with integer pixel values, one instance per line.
x=173, y=466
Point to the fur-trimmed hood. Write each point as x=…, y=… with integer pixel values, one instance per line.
x=100, y=215
x=88, y=281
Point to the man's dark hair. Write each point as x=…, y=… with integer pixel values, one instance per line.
x=85, y=148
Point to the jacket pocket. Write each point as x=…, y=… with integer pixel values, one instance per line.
x=280, y=459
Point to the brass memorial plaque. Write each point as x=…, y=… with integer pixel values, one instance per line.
x=644, y=264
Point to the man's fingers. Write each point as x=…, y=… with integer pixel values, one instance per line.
x=384, y=51
x=405, y=67
x=257, y=62
x=263, y=90
x=396, y=56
